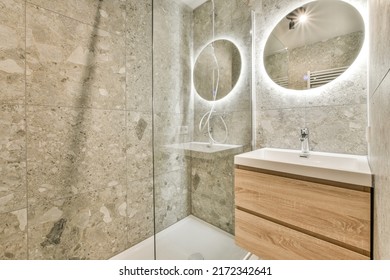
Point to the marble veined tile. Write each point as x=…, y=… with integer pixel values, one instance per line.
x=73, y=151
x=12, y=58
x=109, y=15
x=86, y=226
x=13, y=235
x=73, y=64
x=12, y=158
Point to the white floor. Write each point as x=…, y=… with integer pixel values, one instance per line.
x=190, y=238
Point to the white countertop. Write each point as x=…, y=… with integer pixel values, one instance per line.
x=350, y=169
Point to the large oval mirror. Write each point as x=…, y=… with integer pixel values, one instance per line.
x=217, y=70
x=314, y=44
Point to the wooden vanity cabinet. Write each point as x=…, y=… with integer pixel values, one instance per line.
x=283, y=216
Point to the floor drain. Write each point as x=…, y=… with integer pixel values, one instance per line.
x=196, y=256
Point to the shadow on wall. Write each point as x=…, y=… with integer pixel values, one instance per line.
x=78, y=136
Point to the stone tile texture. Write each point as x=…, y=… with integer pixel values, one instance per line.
x=74, y=151
x=72, y=63
x=13, y=235
x=379, y=133
x=76, y=140
x=109, y=15
x=85, y=226
x=12, y=158
x=12, y=51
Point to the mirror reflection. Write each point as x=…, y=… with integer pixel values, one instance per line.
x=314, y=44
x=217, y=70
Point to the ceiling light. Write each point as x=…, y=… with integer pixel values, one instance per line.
x=303, y=18
x=298, y=15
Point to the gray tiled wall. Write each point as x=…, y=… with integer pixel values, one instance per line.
x=75, y=138
x=379, y=136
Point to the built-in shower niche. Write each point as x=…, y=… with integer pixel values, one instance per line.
x=211, y=168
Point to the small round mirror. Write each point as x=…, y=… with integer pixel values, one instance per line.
x=314, y=44
x=217, y=70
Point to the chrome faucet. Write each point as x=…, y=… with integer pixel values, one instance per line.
x=304, y=142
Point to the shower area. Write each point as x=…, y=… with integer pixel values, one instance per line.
x=201, y=115
x=201, y=110
x=119, y=123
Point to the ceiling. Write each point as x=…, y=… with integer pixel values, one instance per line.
x=326, y=19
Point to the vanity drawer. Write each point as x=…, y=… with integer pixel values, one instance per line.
x=337, y=215
x=270, y=240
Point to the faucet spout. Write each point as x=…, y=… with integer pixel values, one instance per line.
x=305, y=151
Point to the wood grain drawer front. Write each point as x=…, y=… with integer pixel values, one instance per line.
x=269, y=240
x=336, y=214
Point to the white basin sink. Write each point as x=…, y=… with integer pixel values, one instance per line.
x=350, y=169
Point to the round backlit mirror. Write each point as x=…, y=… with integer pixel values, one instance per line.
x=217, y=70
x=314, y=44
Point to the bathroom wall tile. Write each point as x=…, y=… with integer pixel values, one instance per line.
x=168, y=159
x=167, y=133
x=238, y=100
x=271, y=97
x=380, y=166
x=73, y=64
x=203, y=28
x=173, y=113
x=86, y=226
x=139, y=55
x=171, y=57
x=279, y=128
x=379, y=58
x=167, y=128
x=139, y=146
x=109, y=15
x=338, y=129
x=240, y=131
x=73, y=151
x=12, y=53
x=212, y=191
x=140, y=210
x=12, y=158
x=13, y=235
x=238, y=124
x=172, y=198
